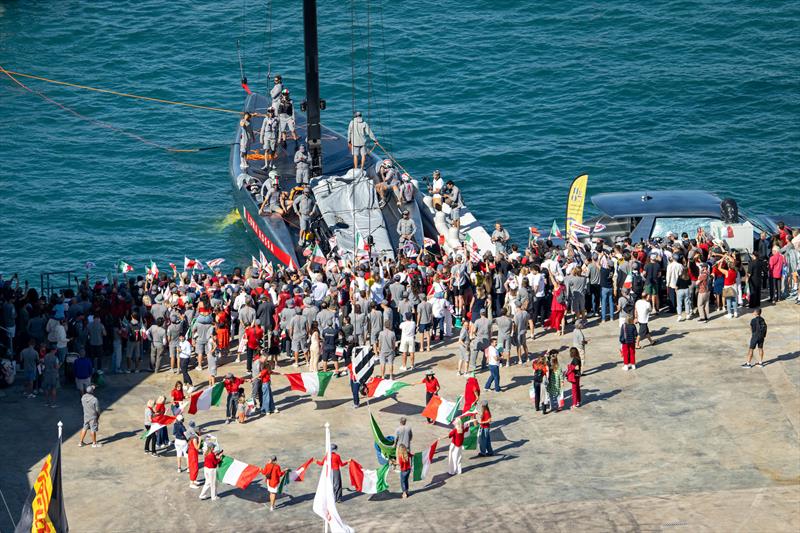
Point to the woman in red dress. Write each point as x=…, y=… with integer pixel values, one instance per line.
x=193, y=458
x=557, y=308
x=223, y=331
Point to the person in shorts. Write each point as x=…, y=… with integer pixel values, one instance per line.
x=758, y=332
x=386, y=349
x=50, y=376
x=91, y=416
x=641, y=314
x=463, y=348
x=29, y=361
x=408, y=332
x=181, y=442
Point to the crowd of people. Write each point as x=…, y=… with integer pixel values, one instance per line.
x=491, y=306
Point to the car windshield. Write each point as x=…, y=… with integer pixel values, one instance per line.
x=679, y=225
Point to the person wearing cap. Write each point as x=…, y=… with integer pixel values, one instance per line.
x=406, y=229
x=211, y=461
x=180, y=442
x=431, y=388
x=336, y=464
x=91, y=416
x=275, y=92
x=453, y=198
x=305, y=207
x=357, y=133
x=302, y=165
x=286, y=121
x=408, y=333
x=246, y=137
x=437, y=189
x=269, y=138
x=193, y=454
x=231, y=384
x=272, y=476
x=484, y=434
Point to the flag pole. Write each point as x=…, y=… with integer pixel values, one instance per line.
x=327, y=464
x=60, y=429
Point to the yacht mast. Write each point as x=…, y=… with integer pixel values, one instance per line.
x=313, y=104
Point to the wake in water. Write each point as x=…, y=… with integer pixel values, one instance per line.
x=228, y=220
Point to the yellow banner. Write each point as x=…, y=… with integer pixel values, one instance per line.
x=575, y=200
x=43, y=488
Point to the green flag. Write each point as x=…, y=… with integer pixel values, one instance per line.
x=386, y=446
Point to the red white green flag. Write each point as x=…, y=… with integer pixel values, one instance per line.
x=234, y=472
x=422, y=462
x=441, y=410
x=369, y=481
x=555, y=232
x=202, y=400
x=384, y=387
x=313, y=383
x=124, y=267
x=152, y=269
x=317, y=256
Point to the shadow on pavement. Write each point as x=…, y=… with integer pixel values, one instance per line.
x=784, y=357
x=401, y=408
x=330, y=404
x=588, y=396
x=653, y=360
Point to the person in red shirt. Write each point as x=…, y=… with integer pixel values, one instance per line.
x=272, y=475
x=193, y=457
x=177, y=396
x=431, y=388
x=222, y=319
x=265, y=377
x=336, y=464
x=727, y=266
x=404, y=462
x=456, y=436
x=231, y=384
x=484, y=437
x=472, y=392
x=254, y=333
x=210, y=463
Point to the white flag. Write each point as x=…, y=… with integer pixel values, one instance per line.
x=324, y=500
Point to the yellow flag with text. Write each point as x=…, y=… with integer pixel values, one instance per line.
x=575, y=201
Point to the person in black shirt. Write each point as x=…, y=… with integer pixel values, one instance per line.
x=758, y=332
x=652, y=273
x=755, y=274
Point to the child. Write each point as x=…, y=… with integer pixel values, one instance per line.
x=177, y=397
x=241, y=409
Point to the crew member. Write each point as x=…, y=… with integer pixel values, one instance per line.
x=357, y=133
x=286, y=117
x=301, y=163
x=453, y=198
x=275, y=92
x=304, y=206
x=269, y=138
x=406, y=228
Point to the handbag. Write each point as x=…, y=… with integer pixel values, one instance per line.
x=728, y=292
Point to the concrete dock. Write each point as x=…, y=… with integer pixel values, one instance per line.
x=689, y=441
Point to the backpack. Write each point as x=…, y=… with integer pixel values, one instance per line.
x=629, y=307
x=561, y=297
x=637, y=283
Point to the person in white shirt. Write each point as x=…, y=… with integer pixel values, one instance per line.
x=493, y=360
x=319, y=290
x=184, y=355
x=674, y=271
x=437, y=187
x=408, y=332
x=438, y=304
x=641, y=314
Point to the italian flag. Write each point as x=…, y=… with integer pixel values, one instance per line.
x=153, y=269
x=471, y=437
x=293, y=476
x=384, y=387
x=202, y=400
x=313, y=383
x=234, y=472
x=442, y=410
x=385, y=446
x=369, y=481
x=124, y=267
x=317, y=256
x=422, y=462
x=555, y=232
x=361, y=245
x=158, y=422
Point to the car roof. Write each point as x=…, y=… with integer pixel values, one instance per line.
x=658, y=203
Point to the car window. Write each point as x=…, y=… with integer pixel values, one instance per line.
x=678, y=225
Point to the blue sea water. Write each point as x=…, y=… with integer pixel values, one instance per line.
x=510, y=99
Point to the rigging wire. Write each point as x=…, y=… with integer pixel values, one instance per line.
x=106, y=125
x=385, y=70
x=369, y=69
x=353, y=55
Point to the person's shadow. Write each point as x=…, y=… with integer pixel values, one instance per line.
x=784, y=357
x=117, y=436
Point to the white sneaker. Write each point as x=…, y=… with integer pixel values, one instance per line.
x=625, y=367
x=633, y=367
x=729, y=315
x=736, y=314
x=680, y=318
x=402, y=369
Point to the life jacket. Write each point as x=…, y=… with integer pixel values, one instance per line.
x=285, y=107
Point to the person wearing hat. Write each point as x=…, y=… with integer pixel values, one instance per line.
x=211, y=461
x=336, y=464
x=286, y=122
x=357, y=133
x=272, y=476
x=269, y=137
x=302, y=165
x=431, y=388
x=406, y=229
x=305, y=207
x=484, y=434
x=91, y=415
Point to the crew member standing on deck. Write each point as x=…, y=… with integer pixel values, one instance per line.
x=247, y=135
x=453, y=197
x=304, y=206
x=269, y=138
x=406, y=229
x=357, y=133
x=275, y=93
x=301, y=163
x=286, y=117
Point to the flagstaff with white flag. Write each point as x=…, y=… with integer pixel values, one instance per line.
x=324, y=500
